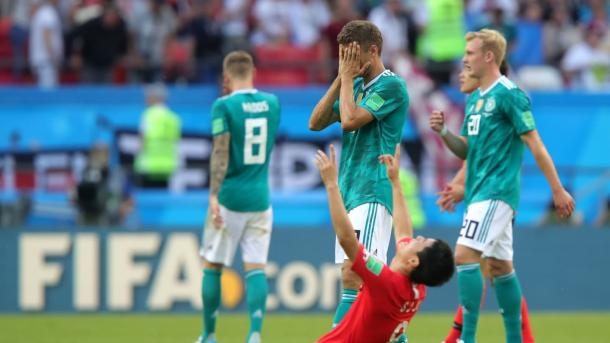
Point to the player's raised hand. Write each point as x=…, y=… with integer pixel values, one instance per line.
x=327, y=167
x=392, y=164
x=451, y=195
x=437, y=120
x=564, y=203
x=349, y=61
x=214, y=210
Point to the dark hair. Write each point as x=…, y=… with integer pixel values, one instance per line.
x=436, y=265
x=363, y=32
x=504, y=68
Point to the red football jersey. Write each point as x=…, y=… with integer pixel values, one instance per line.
x=386, y=303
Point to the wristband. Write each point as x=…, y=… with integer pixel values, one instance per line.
x=444, y=131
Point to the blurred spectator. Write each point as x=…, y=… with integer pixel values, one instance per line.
x=159, y=138
x=234, y=17
x=594, y=11
x=508, y=7
x=309, y=18
x=98, y=45
x=391, y=20
x=20, y=20
x=498, y=21
x=411, y=192
x=206, y=36
x=102, y=195
x=528, y=49
x=365, y=6
x=559, y=33
x=152, y=31
x=46, y=43
x=272, y=22
x=442, y=25
x=343, y=12
x=586, y=65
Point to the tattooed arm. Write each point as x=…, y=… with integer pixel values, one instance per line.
x=218, y=170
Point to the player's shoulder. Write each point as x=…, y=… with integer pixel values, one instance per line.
x=268, y=96
x=390, y=79
x=510, y=91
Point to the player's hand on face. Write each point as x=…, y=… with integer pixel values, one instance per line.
x=349, y=61
x=437, y=120
x=327, y=166
x=392, y=164
x=564, y=203
x=217, y=219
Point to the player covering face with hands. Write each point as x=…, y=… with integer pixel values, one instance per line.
x=390, y=295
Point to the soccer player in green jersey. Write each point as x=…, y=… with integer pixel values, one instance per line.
x=497, y=124
x=371, y=104
x=244, y=124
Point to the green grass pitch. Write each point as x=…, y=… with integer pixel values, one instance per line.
x=279, y=328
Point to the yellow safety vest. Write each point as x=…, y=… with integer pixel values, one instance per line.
x=158, y=153
x=443, y=39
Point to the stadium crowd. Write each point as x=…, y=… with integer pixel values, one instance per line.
x=555, y=43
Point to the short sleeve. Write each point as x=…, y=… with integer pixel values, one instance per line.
x=519, y=113
x=368, y=267
x=382, y=101
x=220, y=123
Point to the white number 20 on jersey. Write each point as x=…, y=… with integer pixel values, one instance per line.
x=473, y=124
x=259, y=138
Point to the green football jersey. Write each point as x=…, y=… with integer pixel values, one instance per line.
x=362, y=179
x=251, y=118
x=493, y=124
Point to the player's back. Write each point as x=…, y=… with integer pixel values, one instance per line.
x=251, y=118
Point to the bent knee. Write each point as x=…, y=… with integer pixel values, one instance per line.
x=464, y=255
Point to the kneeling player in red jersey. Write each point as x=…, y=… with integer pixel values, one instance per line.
x=390, y=295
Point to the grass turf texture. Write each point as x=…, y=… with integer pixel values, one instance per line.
x=154, y=328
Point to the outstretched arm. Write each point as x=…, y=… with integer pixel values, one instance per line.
x=562, y=199
x=218, y=170
x=341, y=223
x=403, y=226
x=453, y=193
x=457, y=144
x=322, y=115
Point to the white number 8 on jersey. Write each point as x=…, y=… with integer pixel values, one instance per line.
x=259, y=138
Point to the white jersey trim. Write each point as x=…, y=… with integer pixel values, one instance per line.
x=483, y=92
x=386, y=72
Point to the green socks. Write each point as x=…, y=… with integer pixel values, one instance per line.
x=256, y=296
x=210, y=293
x=508, y=293
x=347, y=299
x=470, y=282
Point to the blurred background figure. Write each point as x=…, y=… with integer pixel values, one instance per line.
x=159, y=138
x=46, y=45
x=152, y=32
x=102, y=195
x=272, y=22
x=587, y=64
x=20, y=22
x=441, y=24
x=98, y=45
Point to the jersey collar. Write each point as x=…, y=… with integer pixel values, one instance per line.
x=245, y=91
x=364, y=87
x=483, y=92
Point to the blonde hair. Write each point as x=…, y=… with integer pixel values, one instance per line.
x=491, y=40
x=238, y=64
